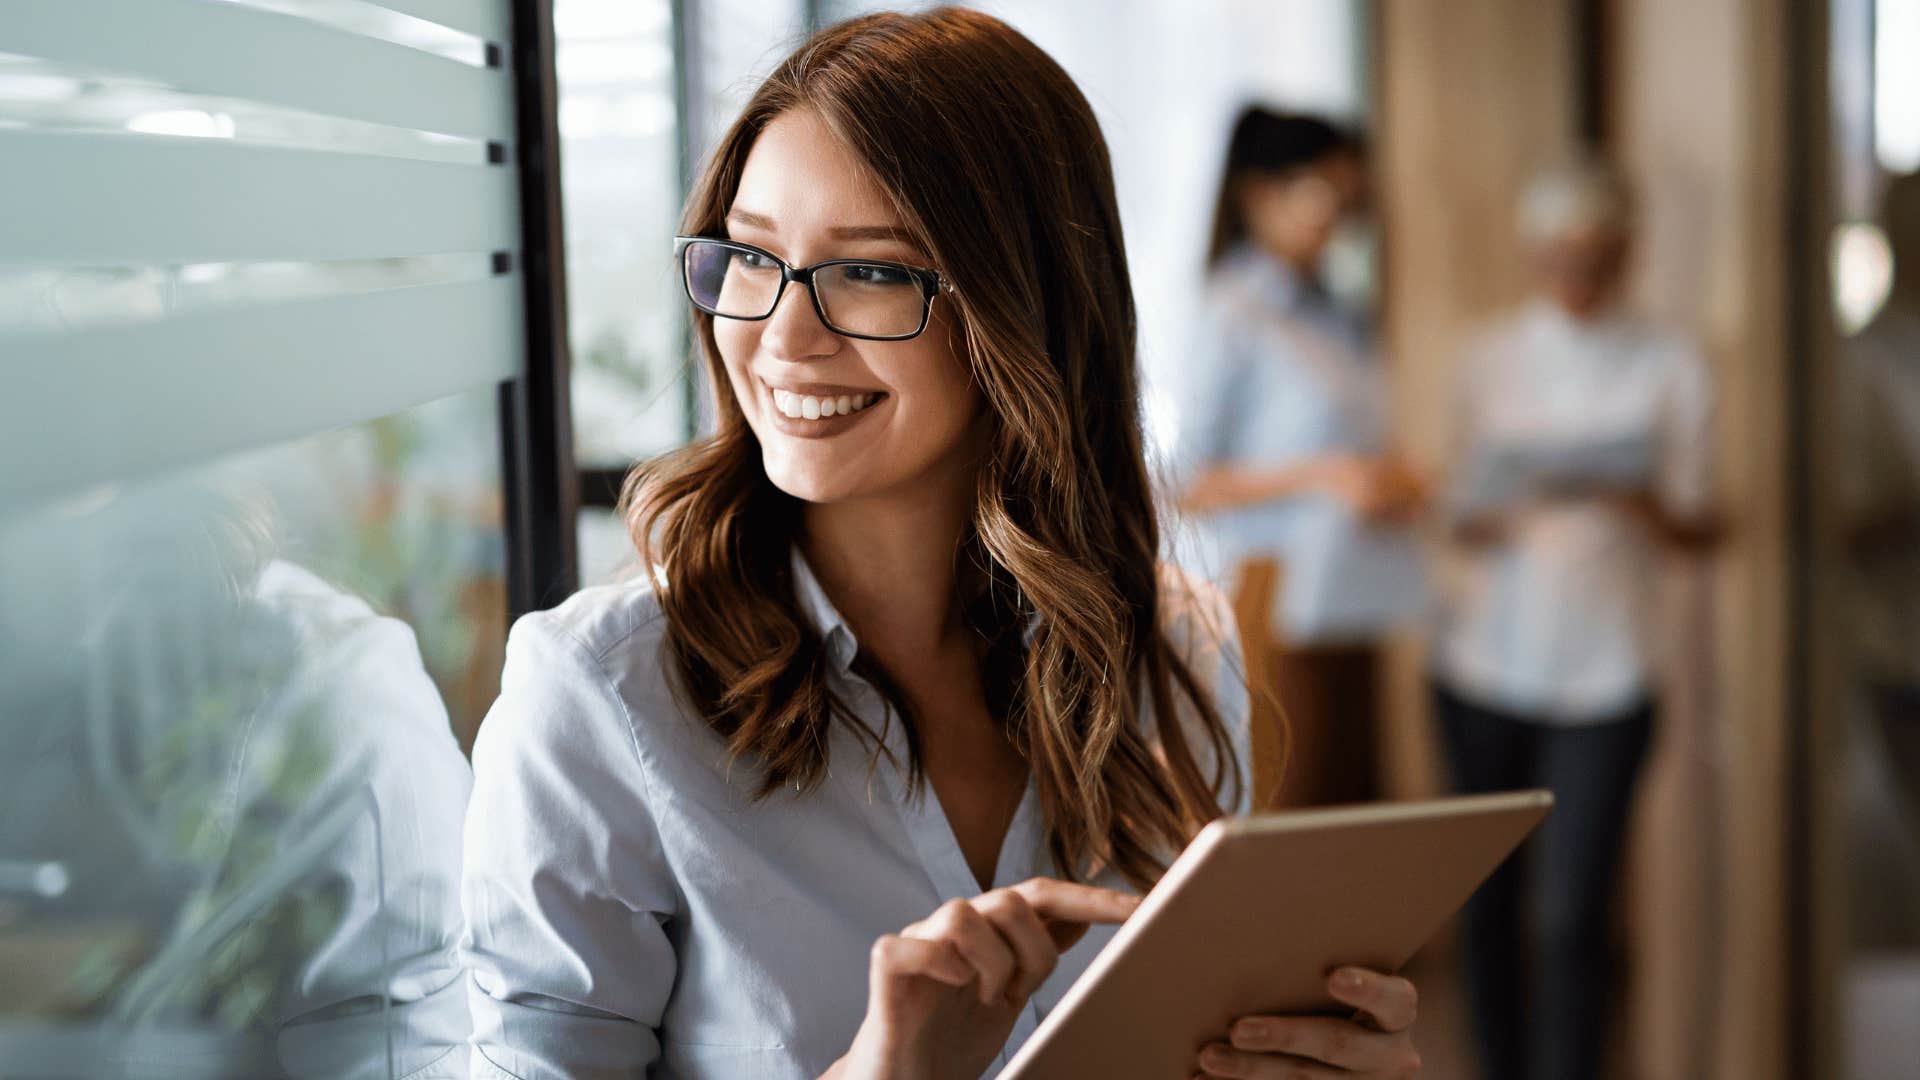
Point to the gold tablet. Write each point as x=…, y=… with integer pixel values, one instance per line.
x=1252, y=917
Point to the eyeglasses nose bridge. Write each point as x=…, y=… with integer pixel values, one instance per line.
x=803, y=275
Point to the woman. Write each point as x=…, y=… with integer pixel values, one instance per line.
x=1581, y=448
x=906, y=707
x=1285, y=440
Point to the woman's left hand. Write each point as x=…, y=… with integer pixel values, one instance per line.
x=1377, y=1043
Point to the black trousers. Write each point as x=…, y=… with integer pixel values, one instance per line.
x=1537, y=959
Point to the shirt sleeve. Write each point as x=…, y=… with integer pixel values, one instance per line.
x=1233, y=700
x=1461, y=494
x=1210, y=399
x=1684, y=480
x=565, y=887
x=1202, y=632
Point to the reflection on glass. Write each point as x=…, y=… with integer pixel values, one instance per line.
x=70, y=298
x=230, y=811
x=379, y=21
x=41, y=94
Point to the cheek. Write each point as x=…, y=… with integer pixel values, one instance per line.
x=735, y=341
x=936, y=418
x=937, y=391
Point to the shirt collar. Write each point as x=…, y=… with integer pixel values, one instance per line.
x=832, y=627
x=842, y=647
x=1604, y=324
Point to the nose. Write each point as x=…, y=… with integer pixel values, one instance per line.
x=794, y=331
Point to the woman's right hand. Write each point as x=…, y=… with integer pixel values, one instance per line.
x=942, y=994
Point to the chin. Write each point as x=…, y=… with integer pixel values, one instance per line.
x=813, y=482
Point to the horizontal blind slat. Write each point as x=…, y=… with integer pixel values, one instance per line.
x=93, y=200
x=490, y=20
x=198, y=46
x=116, y=402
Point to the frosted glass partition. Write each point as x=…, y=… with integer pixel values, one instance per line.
x=148, y=137
x=260, y=285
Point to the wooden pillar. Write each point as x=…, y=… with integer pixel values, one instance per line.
x=1701, y=119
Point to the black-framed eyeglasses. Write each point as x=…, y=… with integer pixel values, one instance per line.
x=856, y=298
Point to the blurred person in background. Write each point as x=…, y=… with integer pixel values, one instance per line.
x=250, y=805
x=1284, y=436
x=1579, y=456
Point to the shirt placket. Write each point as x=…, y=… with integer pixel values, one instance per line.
x=945, y=864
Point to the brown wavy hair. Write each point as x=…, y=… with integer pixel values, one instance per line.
x=997, y=167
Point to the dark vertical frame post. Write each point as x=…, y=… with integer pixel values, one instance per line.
x=1593, y=70
x=541, y=488
x=1809, y=1009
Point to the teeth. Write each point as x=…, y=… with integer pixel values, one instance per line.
x=805, y=407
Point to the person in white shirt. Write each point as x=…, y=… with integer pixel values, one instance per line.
x=1284, y=447
x=1580, y=447
x=903, y=704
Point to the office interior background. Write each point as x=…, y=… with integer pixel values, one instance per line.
x=329, y=327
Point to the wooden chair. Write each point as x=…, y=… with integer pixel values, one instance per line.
x=1256, y=582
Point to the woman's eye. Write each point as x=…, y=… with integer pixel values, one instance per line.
x=871, y=274
x=753, y=260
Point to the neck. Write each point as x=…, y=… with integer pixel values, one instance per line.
x=1303, y=265
x=1585, y=314
x=888, y=561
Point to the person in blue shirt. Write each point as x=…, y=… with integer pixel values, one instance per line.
x=1284, y=448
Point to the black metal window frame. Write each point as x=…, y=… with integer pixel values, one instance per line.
x=536, y=428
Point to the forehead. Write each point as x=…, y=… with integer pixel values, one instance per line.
x=803, y=176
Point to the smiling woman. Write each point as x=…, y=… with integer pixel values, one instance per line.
x=907, y=705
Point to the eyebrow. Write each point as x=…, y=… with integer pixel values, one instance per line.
x=838, y=232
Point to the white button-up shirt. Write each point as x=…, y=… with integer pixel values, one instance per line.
x=1558, y=619
x=630, y=910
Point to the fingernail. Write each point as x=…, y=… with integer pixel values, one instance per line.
x=1349, y=979
x=1213, y=1057
x=1248, y=1031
